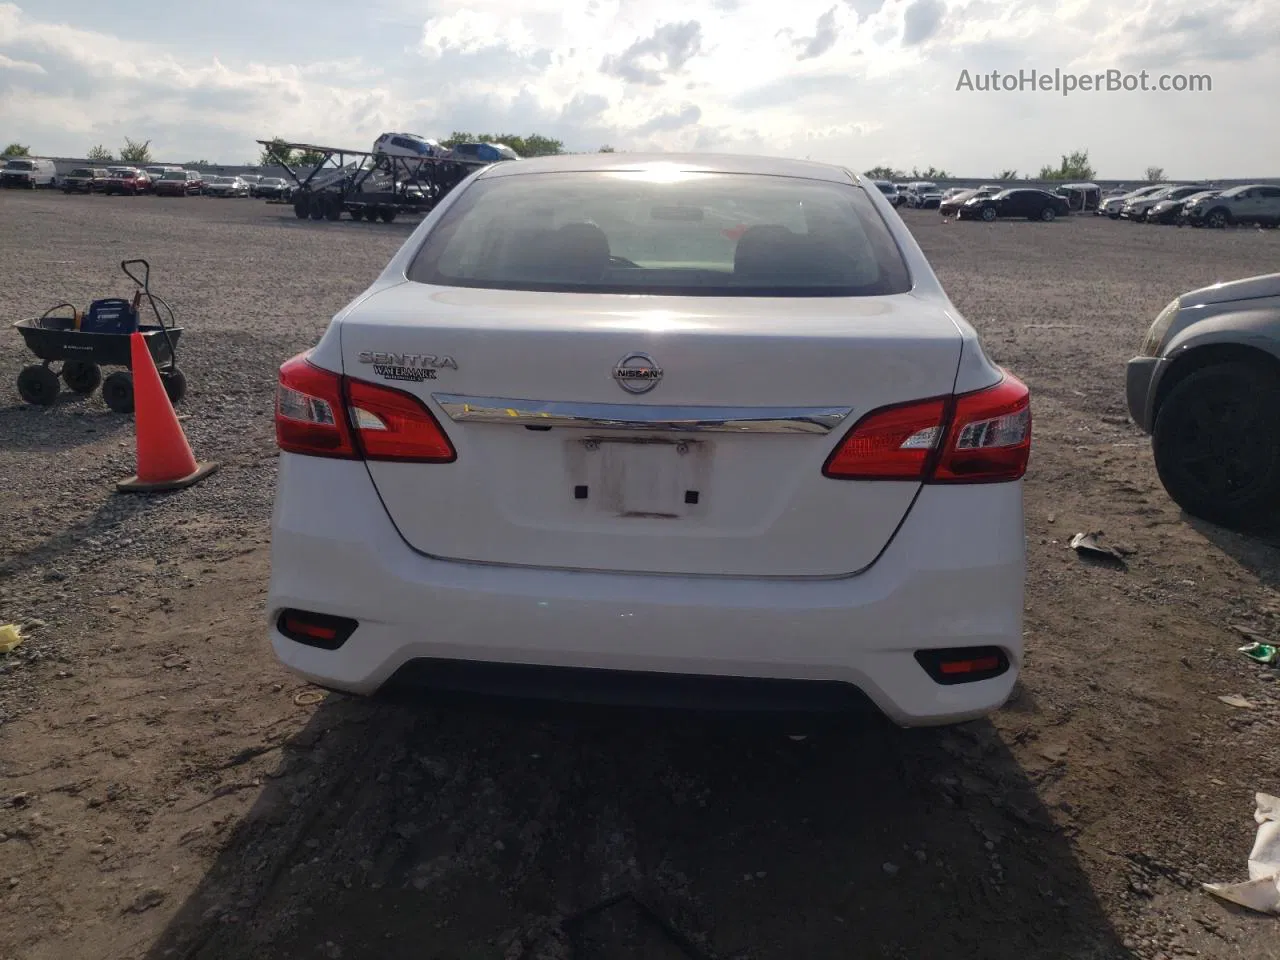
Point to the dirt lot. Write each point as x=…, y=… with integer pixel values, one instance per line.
x=169, y=792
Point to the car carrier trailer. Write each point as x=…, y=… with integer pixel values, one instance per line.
x=367, y=186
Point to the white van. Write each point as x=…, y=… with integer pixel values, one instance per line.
x=28, y=173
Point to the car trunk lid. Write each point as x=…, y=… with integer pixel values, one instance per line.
x=565, y=461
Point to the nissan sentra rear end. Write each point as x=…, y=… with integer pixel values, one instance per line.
x=690, y=421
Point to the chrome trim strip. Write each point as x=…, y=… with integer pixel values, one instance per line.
x=634, y=416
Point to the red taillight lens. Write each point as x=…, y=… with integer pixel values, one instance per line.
x=979, y=437
x=394, y=425
x=323, y=414
x=893, y=443
x=310, y=417
x=990, y=436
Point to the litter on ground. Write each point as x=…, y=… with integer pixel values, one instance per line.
x=1261, y=892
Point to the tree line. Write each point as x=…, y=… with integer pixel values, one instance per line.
x=1073, y=166
x=133, y=151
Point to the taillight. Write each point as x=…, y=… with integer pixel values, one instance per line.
x=979, y=437
x=309, y=412
x=324, y=414
x=990, y=436
x=892, y=443
x=394, y=425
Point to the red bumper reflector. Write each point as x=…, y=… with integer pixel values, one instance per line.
x=316, y=629
x=295, y=624
x=963, y=664
x=969, y=666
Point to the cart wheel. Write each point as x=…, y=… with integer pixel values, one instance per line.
x=117, y=391
x=357, y=213
x=37, y=384
x=80, y=376
x=388, y=214
x=333, y=209
x=301, y=208
x=317, y=207
x=175, y=384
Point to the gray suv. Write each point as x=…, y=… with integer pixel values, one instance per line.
x=1257, y=203
x=1206, y=387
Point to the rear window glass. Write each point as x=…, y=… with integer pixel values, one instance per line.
x=81, y=172
x=689, y=235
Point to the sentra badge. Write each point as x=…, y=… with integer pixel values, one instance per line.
x=414, y=367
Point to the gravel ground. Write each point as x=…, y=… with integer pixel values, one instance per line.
x=170, y=792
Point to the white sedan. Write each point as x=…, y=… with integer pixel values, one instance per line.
x=667, y=428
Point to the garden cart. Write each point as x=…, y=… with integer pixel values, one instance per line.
x=84, y=343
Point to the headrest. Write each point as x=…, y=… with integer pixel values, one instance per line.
x=577, y=252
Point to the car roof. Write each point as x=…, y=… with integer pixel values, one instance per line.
x=687, y=162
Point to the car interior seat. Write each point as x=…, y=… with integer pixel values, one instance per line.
x=576, y=253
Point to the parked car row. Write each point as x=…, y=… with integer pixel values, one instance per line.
x=992, y=201
x=1198, y=204
x=167, y=181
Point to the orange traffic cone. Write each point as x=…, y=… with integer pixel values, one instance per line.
x=165, y=460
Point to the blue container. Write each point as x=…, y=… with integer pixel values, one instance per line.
x=110, y=316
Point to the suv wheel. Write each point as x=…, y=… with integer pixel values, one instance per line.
x=1216, y=443
x=1217, y=218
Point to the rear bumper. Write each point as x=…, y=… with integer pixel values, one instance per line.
x=952, y=577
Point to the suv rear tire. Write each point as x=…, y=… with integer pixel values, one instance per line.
x=1216, y=443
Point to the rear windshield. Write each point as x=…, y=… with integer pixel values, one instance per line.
x=81, y=172
x=715, y=235
x=175, y=175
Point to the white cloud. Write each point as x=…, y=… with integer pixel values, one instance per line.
x=20, y=66
x=859, y=82
x=470, y=31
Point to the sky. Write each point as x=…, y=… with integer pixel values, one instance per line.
x=861, y=83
